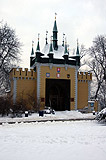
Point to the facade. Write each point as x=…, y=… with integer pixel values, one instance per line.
x=53, y=79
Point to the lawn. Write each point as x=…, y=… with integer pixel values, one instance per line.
x=75, y=140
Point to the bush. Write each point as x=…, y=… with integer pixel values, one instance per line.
x=5, y=105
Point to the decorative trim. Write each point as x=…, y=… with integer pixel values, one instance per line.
x=51, y=66
x=56, y=65
x=66, y=67
x=14, y=89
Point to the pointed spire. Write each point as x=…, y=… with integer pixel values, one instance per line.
x=63, y=39
x=77, y=52
x=55, y=31
x=51, y=47
x=38, y=46
x=46, y=37
x=65, y=51
x=55, y=25
x=32, y=52
x=68, y=49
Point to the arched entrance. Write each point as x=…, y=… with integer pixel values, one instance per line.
x=58, y=94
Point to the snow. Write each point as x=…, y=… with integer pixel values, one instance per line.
x=57, y=54
x=103, y=111
x=76, y=140
x=57, y=116
x=101, y=116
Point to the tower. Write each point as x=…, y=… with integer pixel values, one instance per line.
x=55, y=31
x=32, y=57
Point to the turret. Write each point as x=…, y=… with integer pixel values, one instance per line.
x=63, y=40
x=38, y=46
x=50, y=51
x=38, y=53
x=55, y=31
x=46, y=37
x=65, y=53
x=77, y=55
x=32, y=57
x=77, y=52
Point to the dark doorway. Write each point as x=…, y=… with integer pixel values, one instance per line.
x=58, y=94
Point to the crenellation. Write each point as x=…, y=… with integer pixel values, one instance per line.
x=20, y=73
x=86, y=76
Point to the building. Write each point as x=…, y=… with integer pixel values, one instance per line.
x=53, y=79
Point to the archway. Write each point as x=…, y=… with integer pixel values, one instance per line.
x=58, y=94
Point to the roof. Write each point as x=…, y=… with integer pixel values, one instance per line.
x=57, y=54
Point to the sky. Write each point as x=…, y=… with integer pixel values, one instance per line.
x=78, y=19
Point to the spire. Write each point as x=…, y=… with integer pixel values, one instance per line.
x=38, y=46
x=55, y=25
x=68, y=49
x=51, y=48
x=32, y=52
x=77, y=52
x=50, y=51
x=65, y=56
x=46, y=37
x=65, y=51
x=55, y=31
x=63, y=39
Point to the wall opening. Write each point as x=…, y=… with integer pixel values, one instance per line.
x=58, y=94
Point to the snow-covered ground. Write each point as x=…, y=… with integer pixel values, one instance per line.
x=71, y=140
x=56, y=116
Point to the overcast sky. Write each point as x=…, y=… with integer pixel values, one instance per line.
x=82, y=19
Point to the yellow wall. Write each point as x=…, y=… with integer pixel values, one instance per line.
x=96, y=106
x=83, y=92
x=53, y=75
x=25, y=85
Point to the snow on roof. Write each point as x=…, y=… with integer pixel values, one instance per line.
x=57, y=54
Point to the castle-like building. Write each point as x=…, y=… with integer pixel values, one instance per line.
x=53, y=79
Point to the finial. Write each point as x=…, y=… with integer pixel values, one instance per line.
x=55, y=15
x=32, y=52
x=77, y=42
x=63, y=39
x=77, y=52
x=63, y=35
x=32, y=43
x=46, y=37
x=38, y=36
x=38, y=46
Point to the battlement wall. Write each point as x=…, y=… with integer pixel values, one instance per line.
x=20, y=73
x=84, y=76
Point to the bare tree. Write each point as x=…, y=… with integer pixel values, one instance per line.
x=9, y=53
x=97, y=64
x=83, y=51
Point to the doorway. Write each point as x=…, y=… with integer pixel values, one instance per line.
x=58, y=94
